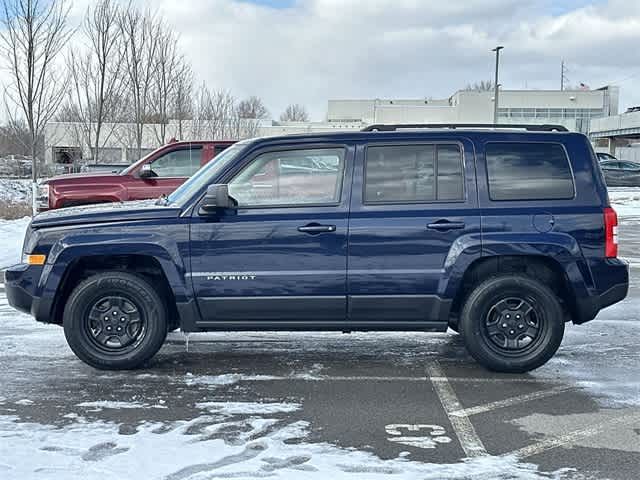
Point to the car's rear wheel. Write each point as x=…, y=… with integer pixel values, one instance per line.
x=512, y=323
x=115, y=321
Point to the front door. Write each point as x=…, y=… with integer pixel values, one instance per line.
x=413, y=205
x=281, y=255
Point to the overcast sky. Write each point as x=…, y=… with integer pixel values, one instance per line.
x=308, y=51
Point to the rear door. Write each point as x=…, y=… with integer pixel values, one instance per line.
x=412, y=203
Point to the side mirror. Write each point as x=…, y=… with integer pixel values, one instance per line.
x=217, y=197
x=146, y=171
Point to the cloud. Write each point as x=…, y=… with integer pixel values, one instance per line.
x=308, y=51
x=320, y=49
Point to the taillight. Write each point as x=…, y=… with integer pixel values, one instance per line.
x=610, y=233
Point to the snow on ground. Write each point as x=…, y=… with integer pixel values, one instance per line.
x=625, y=200
x=15, y=190
x=11, y=238
x=96, y=451
x=102, y=404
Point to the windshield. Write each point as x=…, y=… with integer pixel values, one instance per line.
x=204, y=176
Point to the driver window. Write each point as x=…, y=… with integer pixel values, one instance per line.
x=178, y=163
x=292, y=177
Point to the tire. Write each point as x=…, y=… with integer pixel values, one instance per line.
x=497, y=339
x=126, y=305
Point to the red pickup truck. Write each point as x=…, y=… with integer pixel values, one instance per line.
x=160, y=172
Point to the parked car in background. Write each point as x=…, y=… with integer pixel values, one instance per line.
x=156, y=174
x=619, y=173
x=603, y=157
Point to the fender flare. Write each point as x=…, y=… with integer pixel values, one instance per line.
x=558, y=247
x=69, y=249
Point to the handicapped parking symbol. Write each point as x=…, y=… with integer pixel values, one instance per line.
x=417, y=435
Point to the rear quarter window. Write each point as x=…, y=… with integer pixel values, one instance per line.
x=528, y=171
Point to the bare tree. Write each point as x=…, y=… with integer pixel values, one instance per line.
x=295, y=113
x=481, y=86
x=15, y=139
x=182, y=103
x=252, y=107
x=97, y=80
x=34, y=33
x=216, y=115
x=168, y=63
x=140, y=34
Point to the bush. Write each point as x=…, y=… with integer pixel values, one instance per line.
x=12, y=211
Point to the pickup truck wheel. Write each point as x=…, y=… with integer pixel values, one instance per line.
x=512, y=323
x=115, y=321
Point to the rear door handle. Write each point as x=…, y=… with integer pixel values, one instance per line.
x=314, y=228
x=444, y=225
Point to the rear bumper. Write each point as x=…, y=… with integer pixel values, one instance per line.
x=588, y=308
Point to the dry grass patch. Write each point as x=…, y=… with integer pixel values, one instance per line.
x=12, y=211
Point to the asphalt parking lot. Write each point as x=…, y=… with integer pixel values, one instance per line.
x=314, y=405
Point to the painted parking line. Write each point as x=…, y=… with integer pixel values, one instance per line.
x=462, y=426
x=508, y=402
x=569, y=438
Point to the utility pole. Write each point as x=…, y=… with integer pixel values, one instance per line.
x=563, y=75
x=496, y=84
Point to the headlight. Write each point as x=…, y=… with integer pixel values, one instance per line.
x=43, y=196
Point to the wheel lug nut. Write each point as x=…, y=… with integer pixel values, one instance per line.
x=508, y=316
x=518, y=317
x=109, y=328
x=504, y=325
x=520, y=326
x=512, y=332
x=122, y=319
x=106, y=318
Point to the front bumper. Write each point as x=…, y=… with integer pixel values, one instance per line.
x=21, y=286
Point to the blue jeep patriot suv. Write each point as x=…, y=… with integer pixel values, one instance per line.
x=500, y=233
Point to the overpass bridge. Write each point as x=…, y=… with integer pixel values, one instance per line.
x=615, y=132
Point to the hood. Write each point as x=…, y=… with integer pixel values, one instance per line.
x=105, y=213
x=83, y=177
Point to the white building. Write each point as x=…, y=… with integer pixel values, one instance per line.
x=571, y=108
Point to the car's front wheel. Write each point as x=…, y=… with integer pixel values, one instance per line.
x=512, y=323
x=115, y=321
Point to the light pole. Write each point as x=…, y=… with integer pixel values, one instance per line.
x=496, y=91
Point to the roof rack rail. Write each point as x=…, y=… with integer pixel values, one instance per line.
x=381, y=127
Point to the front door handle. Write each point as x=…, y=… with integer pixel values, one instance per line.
x=444, y=225
x=314, y=228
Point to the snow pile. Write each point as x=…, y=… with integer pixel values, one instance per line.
x=12, y=236
x=15, y=191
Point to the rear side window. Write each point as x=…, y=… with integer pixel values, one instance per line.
x=413, y=174
x=528, y=171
